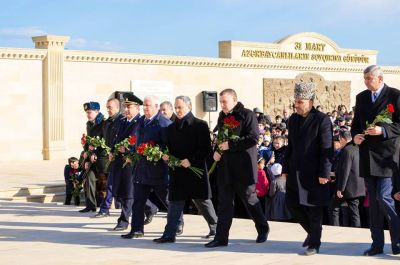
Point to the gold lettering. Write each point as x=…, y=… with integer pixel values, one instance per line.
x=297, y=45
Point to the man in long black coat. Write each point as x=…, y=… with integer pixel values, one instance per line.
x=350, y=186
x=307, y=165
x=379, y=155
x=188, y=139
x=237, y=170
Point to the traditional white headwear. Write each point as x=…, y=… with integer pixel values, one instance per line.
x=303, y=90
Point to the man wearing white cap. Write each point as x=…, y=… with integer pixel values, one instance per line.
x=307, y=165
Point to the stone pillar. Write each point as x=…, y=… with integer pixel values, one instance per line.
x=52, y=96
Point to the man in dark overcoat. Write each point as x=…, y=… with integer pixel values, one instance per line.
x=97, y=159
x=110, y=134
x=188, y=140
x=122, y=188
x=148, y=176
x=350, y=186
x=379, y=155
x=307, y=165
x=237, y=170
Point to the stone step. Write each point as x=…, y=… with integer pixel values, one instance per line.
x=32, y=190
x=40, y=189
x=41, y=198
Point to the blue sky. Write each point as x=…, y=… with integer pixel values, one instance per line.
x=194, y=27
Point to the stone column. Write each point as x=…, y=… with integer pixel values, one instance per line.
x=52, y=96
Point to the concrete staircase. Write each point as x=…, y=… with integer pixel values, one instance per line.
x=35, y=193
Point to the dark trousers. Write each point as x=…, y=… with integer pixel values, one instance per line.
x=310, y=218
x=141, y=195
x=126, y=210
x=354, y=213
x=381, y=205
x=90, y=190
x=175, y=211
x=226, y=196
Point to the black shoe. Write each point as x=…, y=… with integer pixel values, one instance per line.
x=164, y=239
x=373, y=252
x=262, y=235
x=133, y=235
x=101, y=215
x=86, y=210
x=311, y=251
x=306, y=242
x=179, y=230
x=216, y=243
x=396, y=249
x=120, y=227
x=148, y=219
x=211, y=234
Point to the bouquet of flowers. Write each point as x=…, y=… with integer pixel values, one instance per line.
x=78, y=185
x=154, y=153
x=383, y=116
x=225, y=133
x=130, y=157
x=98, y=142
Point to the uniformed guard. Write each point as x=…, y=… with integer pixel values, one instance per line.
x=97, y=160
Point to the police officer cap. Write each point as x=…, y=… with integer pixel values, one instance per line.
x=130, y=98
x=92, y=105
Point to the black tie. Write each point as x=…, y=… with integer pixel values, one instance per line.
x=146, y=122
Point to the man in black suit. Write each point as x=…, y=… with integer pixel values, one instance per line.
x=237, y=170
x=379, y=155
x=350, y=187
x=307, y=165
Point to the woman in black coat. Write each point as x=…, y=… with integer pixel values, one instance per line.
x=188, y=139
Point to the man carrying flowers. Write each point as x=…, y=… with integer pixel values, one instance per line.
x=95, y=160
x=376, y=129
x=237, y=167
x=189, y=143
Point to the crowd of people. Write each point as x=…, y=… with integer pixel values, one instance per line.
x=309, y=166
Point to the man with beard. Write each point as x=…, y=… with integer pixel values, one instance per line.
x=307, y=165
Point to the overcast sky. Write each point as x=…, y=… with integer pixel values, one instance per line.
x=194, y=27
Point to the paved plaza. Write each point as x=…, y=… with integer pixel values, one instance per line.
x=34, y=233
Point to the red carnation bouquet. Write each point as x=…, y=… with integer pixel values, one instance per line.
x=383, y=116
x=154, y=153
x=225, y=133
x=128, y=143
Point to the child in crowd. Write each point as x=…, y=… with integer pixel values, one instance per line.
x=277, y=191
x=279, y=148
x=71, y=173
x=262, y=186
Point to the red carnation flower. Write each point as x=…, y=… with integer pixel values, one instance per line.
x=231, y=122
x=83, y=139
x=390, y=108
x=132, y=140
